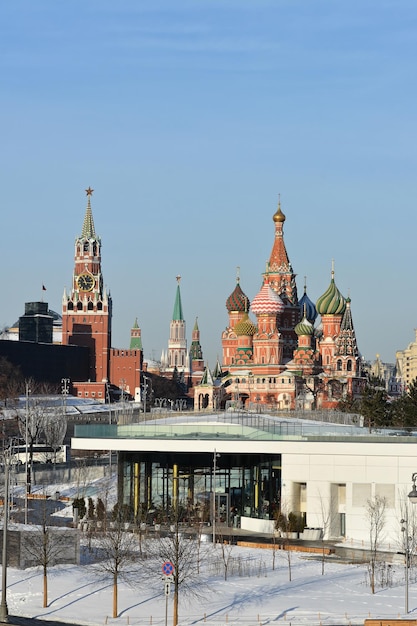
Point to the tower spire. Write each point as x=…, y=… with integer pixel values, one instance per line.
x=178, y=314
x=88, y=230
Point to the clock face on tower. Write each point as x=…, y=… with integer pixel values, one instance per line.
x=85, y=282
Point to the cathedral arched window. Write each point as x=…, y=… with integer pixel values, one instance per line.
x=349, y=366
x=339, y=365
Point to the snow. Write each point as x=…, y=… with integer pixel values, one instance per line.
x=254, y=593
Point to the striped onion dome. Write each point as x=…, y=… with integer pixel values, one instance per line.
x=267, y=302
x=331, y=302
x=305, y=327
x=245, y=327
x=237, y=301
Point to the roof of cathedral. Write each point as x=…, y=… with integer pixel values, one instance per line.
x=346, y=344
x=307, y=307
x=278, y=259
x=178, y=314
x=207, y=378
x=279, y=215
x=331, y=302
x=267, y=301
x=217, y=372
x=245, y=327
x=237, y=301
x=88, y=230
x=305, y=327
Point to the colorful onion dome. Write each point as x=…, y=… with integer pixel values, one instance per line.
x=307, y=307
x=279, y=215
x=267, y=302
x=305, y=327
x=237, y=301
x=331, y=302
x=245, y=327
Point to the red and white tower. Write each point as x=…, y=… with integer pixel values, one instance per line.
x=87, y=308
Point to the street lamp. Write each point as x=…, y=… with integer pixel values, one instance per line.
x=4, y=614
x=404, y=529
x=145, y=391
x=412, y=496
x=215, y=457
x=27, y=392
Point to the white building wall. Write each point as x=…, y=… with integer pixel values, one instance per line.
x=385, y=470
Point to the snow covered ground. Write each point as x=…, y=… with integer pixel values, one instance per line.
x=254, y=593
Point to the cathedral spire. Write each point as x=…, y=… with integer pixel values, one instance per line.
x=178, y=314
x=88, y=231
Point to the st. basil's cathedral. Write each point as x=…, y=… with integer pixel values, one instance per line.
x=281, y=360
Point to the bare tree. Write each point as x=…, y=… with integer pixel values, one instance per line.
x=54, y=428
x=327, y=517
x=287, y=524
x=375, y=514
x=116, y=550
x=31, y=426
x=10, y=381
x=45, y=546
x=226, y=549
x=183, y=553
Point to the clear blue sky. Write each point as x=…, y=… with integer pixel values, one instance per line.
x=188, y=118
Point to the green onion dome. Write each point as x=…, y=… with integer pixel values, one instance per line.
x=245, y=327
x=304, y=327
x=331, y=302
x=237, y=301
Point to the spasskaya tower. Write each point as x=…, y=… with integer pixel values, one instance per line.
x=87, y=308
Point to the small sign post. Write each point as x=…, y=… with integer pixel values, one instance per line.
x=168, y=570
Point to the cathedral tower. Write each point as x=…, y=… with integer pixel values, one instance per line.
x=87, y=308
x=281, y=278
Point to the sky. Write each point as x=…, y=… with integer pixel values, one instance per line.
x=188, y=119
x=257, y=590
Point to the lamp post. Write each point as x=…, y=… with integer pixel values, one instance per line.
x=412, y=496
x=145, y=392
x=404, y=529
x=27, y=392
x=4, y=614
x=215, y=457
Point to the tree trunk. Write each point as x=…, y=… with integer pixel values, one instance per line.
x=45, y=590
x=175, y=607
x=115, y=595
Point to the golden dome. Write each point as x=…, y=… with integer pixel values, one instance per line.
x=278, y=215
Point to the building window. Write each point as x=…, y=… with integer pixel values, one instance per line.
x=339, y=365
x=349, y=366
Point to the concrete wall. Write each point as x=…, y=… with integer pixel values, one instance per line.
x=25, y=547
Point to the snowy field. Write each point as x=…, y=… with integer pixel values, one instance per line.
x=258, y=591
